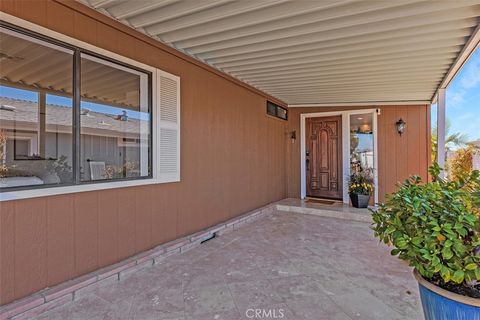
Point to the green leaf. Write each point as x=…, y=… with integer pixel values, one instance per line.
x=394, y=252
x=458, y=276
x=417, y=240
x=445, y=273
x=447, y=253
x=471, y=266
x=477, y=274
x=401, y=243
x=390, y=229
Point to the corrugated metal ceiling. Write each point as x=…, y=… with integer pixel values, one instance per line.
x=326, y=51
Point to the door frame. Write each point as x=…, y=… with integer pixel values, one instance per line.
x=345, y=148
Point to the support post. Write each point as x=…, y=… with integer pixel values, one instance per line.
x=441, y=130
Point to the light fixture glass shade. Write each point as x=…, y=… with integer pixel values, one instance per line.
x=401, y=125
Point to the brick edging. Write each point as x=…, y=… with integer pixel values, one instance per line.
x=49, y=298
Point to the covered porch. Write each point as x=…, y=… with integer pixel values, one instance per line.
x=223, y=92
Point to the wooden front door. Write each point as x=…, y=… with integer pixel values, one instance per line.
x=324, y=157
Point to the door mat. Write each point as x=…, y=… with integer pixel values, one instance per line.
x=322, y=201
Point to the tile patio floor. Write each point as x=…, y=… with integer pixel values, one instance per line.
x=310, y=267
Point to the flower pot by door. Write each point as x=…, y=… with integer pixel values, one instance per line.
x=359, y=200
x=440, y=304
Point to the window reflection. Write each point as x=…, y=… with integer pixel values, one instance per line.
x=35, y=112
x=37, y=145
x=115, y=121
x=361, y=143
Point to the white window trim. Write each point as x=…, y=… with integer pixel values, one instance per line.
x=345, y=148
x=156, y=179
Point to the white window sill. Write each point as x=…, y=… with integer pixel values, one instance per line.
x=44, y=192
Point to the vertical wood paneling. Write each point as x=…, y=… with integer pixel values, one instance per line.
x=86, y=231
x=107, y=37
x=126, y=222
x=85, y=28
x=159, y=214
x=64, y=25
x=427, y=145
x=8, y=6
x=7, y=251
x=107, y=227
x=143, y=218
x=391, y=157
x=30, y=246
x=402, y=147
x=169, y=197
x=415, y=152
x=382, y=161
x=33, y=10
x=60, y=239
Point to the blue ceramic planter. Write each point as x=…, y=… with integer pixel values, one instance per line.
x=440, y=304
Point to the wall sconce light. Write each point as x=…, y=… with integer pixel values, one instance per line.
x=400, y=125
x=293, y=136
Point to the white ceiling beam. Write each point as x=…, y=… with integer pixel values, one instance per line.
x=102, y=4
x=339, y=84
x=321, y=42
x=176, y=10
x=457, y=36
x=319, y=20
x=282, y=12
x=359, y=85
x=345, y=52
x=352, y=97
x=305, y=72
x=228, y=10
x=360, y=90
x=431, y=47
x=359, y=77
x=368, y=64
x=404, y=19
x=331, y=59
x=360, y=104
x=129, y=9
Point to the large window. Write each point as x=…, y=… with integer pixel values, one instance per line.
x=68, y=116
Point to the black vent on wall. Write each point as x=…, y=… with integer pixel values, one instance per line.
x=276, y=111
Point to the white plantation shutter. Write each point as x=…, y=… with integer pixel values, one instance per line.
x=168, y=145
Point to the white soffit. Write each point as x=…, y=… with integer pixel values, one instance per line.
x=314, y=52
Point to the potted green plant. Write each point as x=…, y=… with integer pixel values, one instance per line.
x=435, y=227
x=360, y=188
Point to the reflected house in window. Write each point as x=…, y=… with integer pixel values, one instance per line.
x=110, y=138
x=39, y=114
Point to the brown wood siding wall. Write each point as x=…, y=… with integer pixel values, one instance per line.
x=233, y=160
x=398, y=156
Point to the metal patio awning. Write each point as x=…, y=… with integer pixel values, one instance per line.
x=321, y=52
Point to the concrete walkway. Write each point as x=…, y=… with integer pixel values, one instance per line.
x=284, y=266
